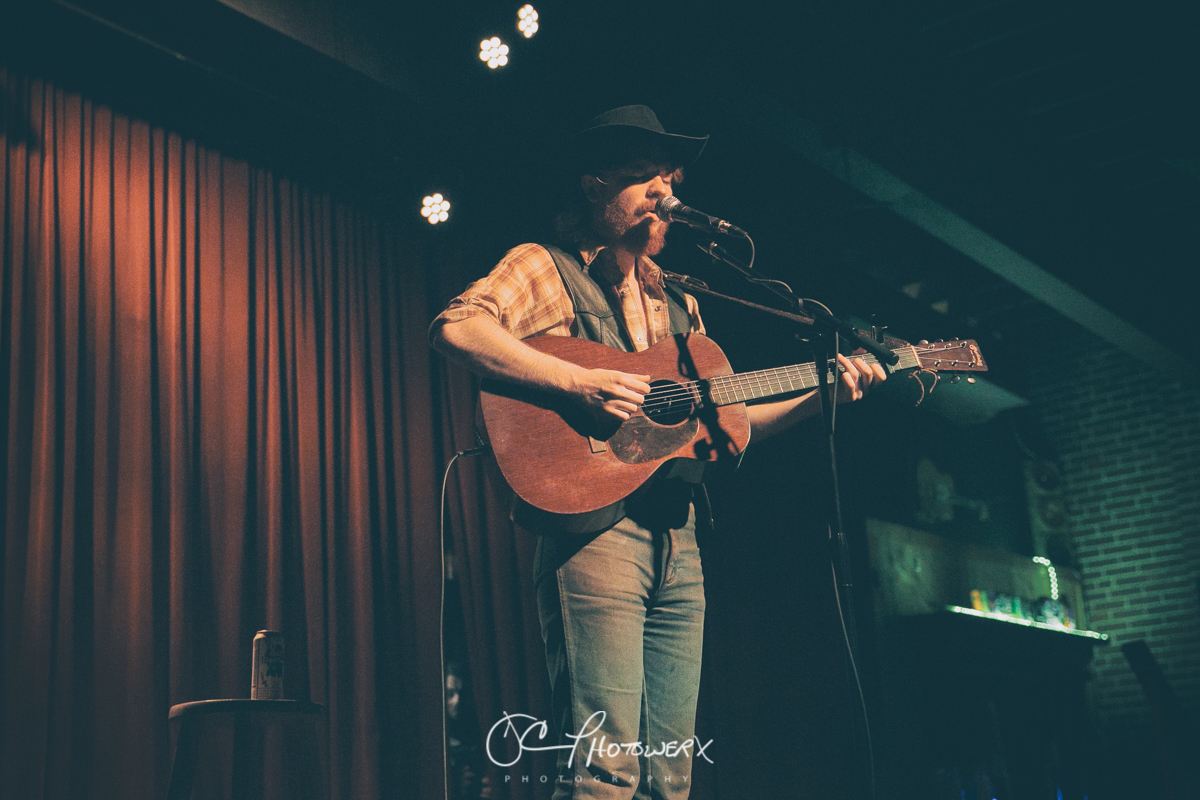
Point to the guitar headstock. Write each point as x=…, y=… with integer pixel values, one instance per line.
x=957, y=355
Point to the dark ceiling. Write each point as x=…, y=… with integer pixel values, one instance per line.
x=1066, y=131
x=1064, y=134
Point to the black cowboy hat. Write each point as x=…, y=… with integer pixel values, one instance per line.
x=627, y=130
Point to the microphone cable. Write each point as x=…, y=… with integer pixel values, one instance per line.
x=474, y=451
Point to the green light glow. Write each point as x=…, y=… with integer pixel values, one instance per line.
x=1028, y=623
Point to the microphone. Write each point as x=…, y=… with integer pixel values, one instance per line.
x=670, y=209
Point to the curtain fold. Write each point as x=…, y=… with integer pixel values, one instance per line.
x=495, y=580
x=217, y=417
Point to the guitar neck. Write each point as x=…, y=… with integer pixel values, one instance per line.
x=745, y=386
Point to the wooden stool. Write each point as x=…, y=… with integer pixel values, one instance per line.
x=248, y=715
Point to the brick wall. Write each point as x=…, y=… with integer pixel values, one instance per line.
x=1127, y=437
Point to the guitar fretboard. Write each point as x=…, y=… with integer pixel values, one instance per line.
x=746, y=386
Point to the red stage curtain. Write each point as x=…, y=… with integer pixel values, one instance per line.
x=217, y=414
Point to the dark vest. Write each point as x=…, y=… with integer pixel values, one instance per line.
x=596, y=318
x=661, y=503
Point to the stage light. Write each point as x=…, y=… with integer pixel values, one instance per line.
x=493, y=52
x=527, y=21
x=435, y=208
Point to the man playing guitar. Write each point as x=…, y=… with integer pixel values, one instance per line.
x=622, y=609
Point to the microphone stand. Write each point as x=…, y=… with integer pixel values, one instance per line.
x=827, y=328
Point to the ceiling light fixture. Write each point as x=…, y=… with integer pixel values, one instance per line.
x=493, y=52
x=435, y=208
x=527, y=21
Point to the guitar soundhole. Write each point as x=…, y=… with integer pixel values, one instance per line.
x=666, y=424
x=668, y=403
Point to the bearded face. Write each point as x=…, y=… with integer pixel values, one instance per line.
x=635, y=228
x=626, y=218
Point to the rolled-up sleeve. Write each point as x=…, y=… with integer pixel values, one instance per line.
x=523, y=293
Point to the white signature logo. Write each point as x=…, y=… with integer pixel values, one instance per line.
x=600, y=747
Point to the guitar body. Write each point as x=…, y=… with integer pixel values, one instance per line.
x=558, y=459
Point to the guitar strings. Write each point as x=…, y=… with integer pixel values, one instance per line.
x=749, y=381
x=797, y=377
x=745, y=382
x=773, y=379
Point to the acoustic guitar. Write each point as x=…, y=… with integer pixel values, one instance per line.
x=556, y=457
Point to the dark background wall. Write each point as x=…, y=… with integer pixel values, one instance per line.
x=1127, y=440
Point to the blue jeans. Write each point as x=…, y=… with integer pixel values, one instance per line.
x=622, y=617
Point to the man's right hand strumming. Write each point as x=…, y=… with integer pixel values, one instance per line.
x=604, y=392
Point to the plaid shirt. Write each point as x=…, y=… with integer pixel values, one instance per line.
x=525, y=295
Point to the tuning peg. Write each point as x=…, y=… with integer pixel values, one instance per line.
x=923, y=342
x=970, y=380
x=955, y=379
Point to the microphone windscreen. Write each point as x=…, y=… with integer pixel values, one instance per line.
x=665, y=206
